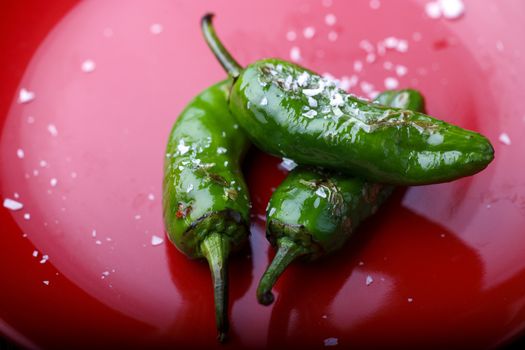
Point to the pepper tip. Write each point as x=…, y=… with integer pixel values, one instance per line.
x=221, y=337
x=266, y=298
x=207, y=17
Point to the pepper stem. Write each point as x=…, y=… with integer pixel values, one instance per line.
x=226, y=60
x=215, y=249
x=287, y=252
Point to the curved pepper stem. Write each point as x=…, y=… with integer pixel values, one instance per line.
x=226, y=60
x=287, y=252
x=216, y=249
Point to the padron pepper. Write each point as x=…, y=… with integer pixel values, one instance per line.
x=205, y=198
x=289, y=111
x=314, y=212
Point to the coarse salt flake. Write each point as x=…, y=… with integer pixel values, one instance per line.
x=288, y=164
x=358, y=66
x=320, y=192
x=156, y=240
x=27, y=216
x=302, y=79
x=264, y=101
x=190, y=188
x=330, y=19
x=310, y=114
x=435, y=139
x=53, y=182
x=182, y=148
x=46, y=282
x=312, y=102
x=13, y=205
x=391, y=83
x=309, y=32
x=331, y=342
x=505, y=139
x=433, y=9
x=410, y=299
x=295, y=54
x=401, y=70
x=35, y=253
x=52, y=129
x=88, y=66
x=332, y=35
x=20, y=153
x=156, y=28
x=369, y=280
x=26, y=96
x=375, y=4
x=452, y=9
x=291, y=35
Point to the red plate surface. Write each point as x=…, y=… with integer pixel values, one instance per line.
x=85, y=156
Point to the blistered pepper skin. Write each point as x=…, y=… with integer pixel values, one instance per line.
x=289, y=111
x=205, y=198
x=314, y=212
x=382, y=144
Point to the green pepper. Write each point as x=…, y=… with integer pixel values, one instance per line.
x=291, y=112
x=205, y=198
x=314, y=212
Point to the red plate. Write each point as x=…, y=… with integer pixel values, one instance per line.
x=85, y=156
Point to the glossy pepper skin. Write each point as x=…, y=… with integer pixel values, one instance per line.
x=314, y=212
x=205, y=198
x=291, y=112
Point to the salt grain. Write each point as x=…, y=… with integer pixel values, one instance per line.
x=46, y=282
x=358, y=66
x=35, y=253
x=330, y=19
x=151, y=197
x=25, y=96
x=332, y=36
x=182, y=148
x=88, y=66
x=291, y=35
x=374, y=4
x=156, y=28
x=52, y=129
x=452, y=9
x=190, y=188
x=264, y=101
x=156, y=240
x=391, y=83
x=13, y=205
x=433, y=9
x=309, y=32
x=410, y=300
x=20, y=153
x=310, y=114
x=331, y=342
x=53, y=182
x=505, y=139
x=369, y=280
x=27, y=216
x=312, y=102
x=320, y=192
x=295, y=54
x=288, y=164
x=401, y=70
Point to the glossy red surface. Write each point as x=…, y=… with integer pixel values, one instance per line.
x=446, y=260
